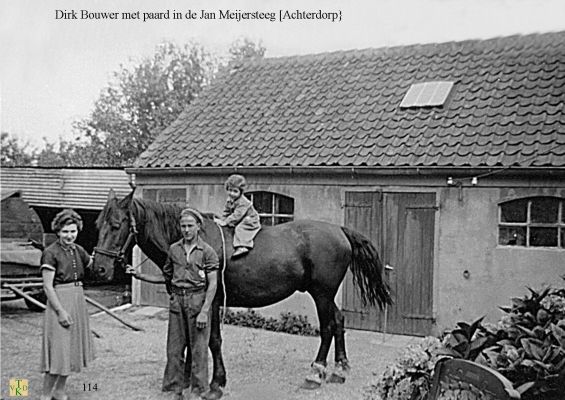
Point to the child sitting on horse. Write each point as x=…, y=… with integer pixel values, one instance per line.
x=240, y=213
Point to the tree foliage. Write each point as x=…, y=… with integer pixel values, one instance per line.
x=14, y=153
x=69, y=153
x=142, y=101
x=245, y=48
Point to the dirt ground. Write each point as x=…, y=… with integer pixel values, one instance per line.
x=129, y=365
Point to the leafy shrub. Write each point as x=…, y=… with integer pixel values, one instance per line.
x=287, y=322
x=468, y=341
x=409, y=378
x=530, y=345
x=527, y=346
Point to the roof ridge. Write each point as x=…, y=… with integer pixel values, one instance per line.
x=437, y=46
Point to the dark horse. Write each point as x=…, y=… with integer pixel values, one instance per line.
x=308, y=256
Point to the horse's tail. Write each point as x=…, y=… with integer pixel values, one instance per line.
x=367, y=270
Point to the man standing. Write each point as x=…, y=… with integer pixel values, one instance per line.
x=191, y=274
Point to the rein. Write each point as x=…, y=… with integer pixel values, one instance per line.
x=119, y=255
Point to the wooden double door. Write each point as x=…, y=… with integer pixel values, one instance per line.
x=401, y=226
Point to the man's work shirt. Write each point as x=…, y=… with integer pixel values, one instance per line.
x=188, y=271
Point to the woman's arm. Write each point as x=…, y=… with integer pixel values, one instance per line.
x=87, y=259
x=48, y=276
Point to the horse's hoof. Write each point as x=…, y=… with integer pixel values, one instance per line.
x=339, y=373
x=336, y=378
x=343, y=365
x=311, y=384
x=212, y=394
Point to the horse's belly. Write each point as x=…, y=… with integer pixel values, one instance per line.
x=257, y=298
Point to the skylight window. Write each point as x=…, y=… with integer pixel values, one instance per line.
x=427, y=94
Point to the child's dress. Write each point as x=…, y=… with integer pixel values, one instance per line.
x=241, y=214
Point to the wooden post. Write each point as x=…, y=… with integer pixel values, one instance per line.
x=26, y=296
x=385, y=322
x=387, y=269
x=106, y=310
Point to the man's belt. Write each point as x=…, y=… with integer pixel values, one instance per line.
x=186, y=291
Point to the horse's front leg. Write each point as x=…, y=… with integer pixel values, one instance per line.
x=215, y=344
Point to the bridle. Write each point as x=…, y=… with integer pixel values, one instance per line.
x=118, y=256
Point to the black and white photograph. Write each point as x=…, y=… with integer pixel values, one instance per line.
x=295, y=200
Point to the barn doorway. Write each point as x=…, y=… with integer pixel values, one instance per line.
x=401, y=226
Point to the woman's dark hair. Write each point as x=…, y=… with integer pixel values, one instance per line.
x=64, y=218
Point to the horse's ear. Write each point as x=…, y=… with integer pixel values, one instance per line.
x=125, y=202
x=111, y=195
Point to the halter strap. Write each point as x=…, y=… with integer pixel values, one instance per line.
x=119, y=255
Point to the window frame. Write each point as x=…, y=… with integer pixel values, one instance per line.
x=414, y=99
x=273, y=215
x=559, y=224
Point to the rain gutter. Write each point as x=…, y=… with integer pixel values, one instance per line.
x=548, y=172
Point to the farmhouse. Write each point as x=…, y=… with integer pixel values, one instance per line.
x=450, y=157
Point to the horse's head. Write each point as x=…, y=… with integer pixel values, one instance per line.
x=114, y=237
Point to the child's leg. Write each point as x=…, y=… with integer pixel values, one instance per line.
x=242, y=240
x=48, y=383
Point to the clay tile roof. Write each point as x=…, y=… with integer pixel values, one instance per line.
x=507, y=108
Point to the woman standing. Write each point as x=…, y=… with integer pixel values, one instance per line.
x=67, y=342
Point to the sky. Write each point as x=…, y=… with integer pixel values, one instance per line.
x=53, y=69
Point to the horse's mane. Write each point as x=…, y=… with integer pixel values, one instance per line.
x=163, y=218
x=157, y=223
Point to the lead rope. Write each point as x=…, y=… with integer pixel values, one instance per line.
x=222, y=275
